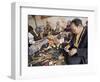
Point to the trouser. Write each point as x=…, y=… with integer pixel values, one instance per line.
x=76, y=60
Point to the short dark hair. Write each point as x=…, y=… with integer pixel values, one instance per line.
x=77, y=21
x=30, y=28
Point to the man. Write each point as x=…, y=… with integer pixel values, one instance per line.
x=33, y=32
x=77, y=53
x=47, y=29
x=40, y=30
x=67, y=26
x=58, y=28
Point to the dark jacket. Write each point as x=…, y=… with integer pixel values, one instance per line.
x=81, y=57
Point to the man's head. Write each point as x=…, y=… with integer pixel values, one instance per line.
x=76, y=25
x=30, y=29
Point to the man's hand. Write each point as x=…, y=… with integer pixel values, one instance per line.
x=72, y=52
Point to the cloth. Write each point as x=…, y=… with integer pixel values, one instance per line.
x=81, y=57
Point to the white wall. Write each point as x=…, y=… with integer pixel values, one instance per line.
x=5, y=41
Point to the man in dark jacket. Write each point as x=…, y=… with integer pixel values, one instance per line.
x=78, y=51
